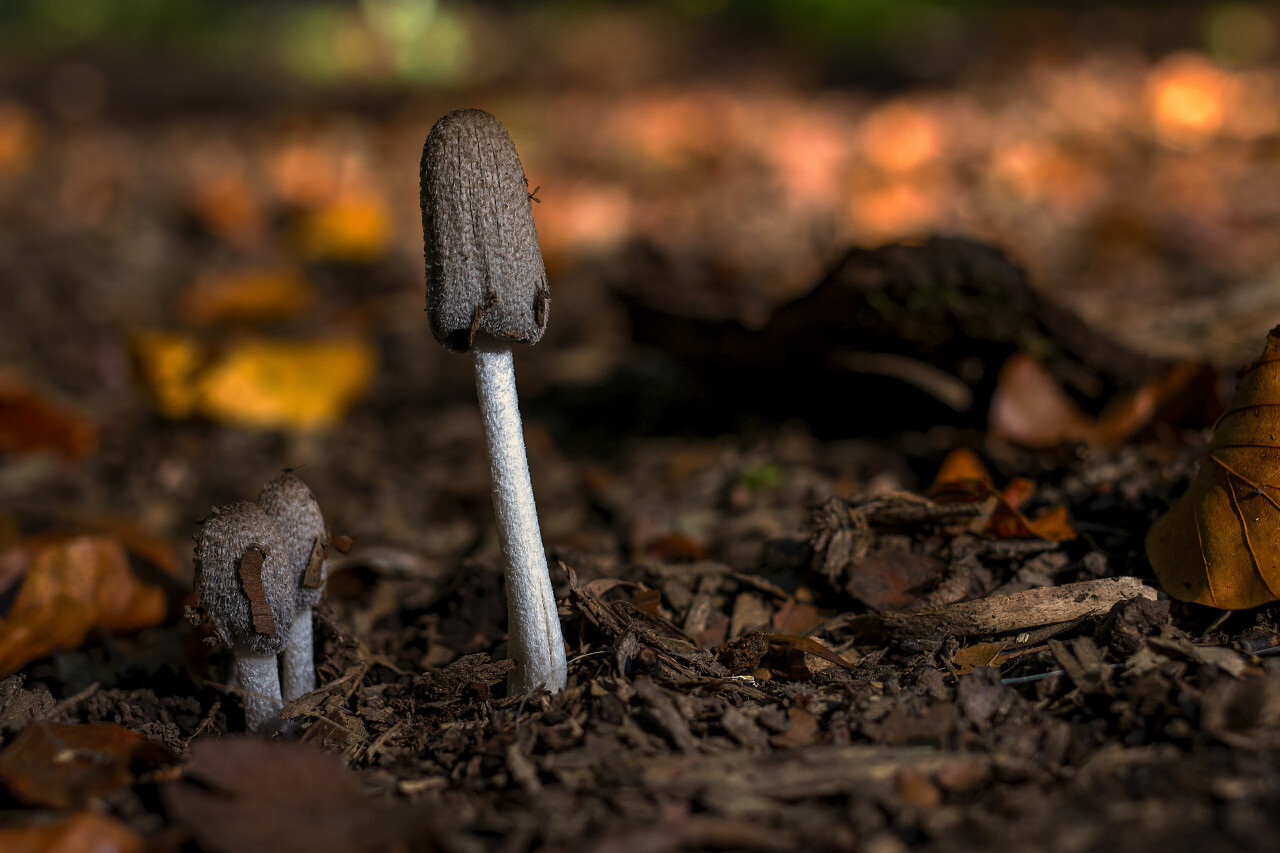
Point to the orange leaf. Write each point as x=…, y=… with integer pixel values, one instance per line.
x=69, y=587
x=76, y=834
x=355, y=228
x=1219, y=545
x=250, y=295
x=963, y=479
x=60, y=767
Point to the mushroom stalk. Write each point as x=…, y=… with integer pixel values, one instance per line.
x=260, y=681
x=534, y=637
x=298, y=671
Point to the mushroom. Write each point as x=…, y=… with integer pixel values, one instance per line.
x=487, y=288
x=245, y=587
x=290, y=504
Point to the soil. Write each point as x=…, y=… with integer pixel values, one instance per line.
x=735, y=528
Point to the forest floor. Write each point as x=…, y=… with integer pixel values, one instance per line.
x=800, y=612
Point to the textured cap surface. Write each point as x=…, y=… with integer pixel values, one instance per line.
x=484, y=267
x=290, y=504
x=228, y=595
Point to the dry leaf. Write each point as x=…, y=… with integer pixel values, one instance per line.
x=355, y=228
x=69, y=587
x=84, y=831
x=248, y=295
x=29, y=422
x=241, y=794
x=964, y=479
x=1220, y=544
x=56, y=766
x=257, y=383
x=1029, y=408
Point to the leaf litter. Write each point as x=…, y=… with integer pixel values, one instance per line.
x=777, y=637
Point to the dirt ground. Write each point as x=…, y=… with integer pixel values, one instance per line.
x=786, y=629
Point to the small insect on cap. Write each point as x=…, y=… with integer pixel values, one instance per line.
x=484, y=266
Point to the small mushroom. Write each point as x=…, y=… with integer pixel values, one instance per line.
x=487, y=288
x=290, y=504
x=245, y=587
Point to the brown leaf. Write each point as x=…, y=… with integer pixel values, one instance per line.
x=240, y=793
x=1029, y=408
x=63, y=767
x=84, y=831
x=29, y=422
x=675, y=547
x=893, y=581
x=803, y=730
x=1220, y=544
x=69, y=587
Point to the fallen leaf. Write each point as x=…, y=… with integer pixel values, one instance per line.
x=30, y=422
x=56, y=766
x=69, y=587
x=893, y=581
x=257, y=383
x=255, y=295
x=20, y=136
x=1030, y=408
x=353, y=228
x=83, y=831
x=1220, y=545
x=242, y=793
x=970, y=658
x=675, y=547
x=794, y=617
x=963, y=478
x=803, y=730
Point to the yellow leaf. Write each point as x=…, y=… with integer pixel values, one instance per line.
x=258, y=383
x=1220, y=544
x=268, y=384
x=167, y=365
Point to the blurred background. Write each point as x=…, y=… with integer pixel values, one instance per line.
x=211, y=252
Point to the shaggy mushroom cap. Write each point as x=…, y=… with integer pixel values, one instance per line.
x=243, y=578
x=484, y=266
x=290, y=504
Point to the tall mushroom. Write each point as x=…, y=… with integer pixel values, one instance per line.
x=487, y=288
x=244, y=585
x=290, y=504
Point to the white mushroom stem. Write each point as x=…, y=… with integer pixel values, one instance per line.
x=260, y=682
x=298, y=672
x=533, y=633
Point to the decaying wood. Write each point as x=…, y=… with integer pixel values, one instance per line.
x=998, y=614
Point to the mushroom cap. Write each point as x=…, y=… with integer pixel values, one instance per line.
x=250, y=606
x=484, y=266
x=290, y=504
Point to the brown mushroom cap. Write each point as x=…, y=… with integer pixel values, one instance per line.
x=290, y=504
x=484, y=266
x=243, y=579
